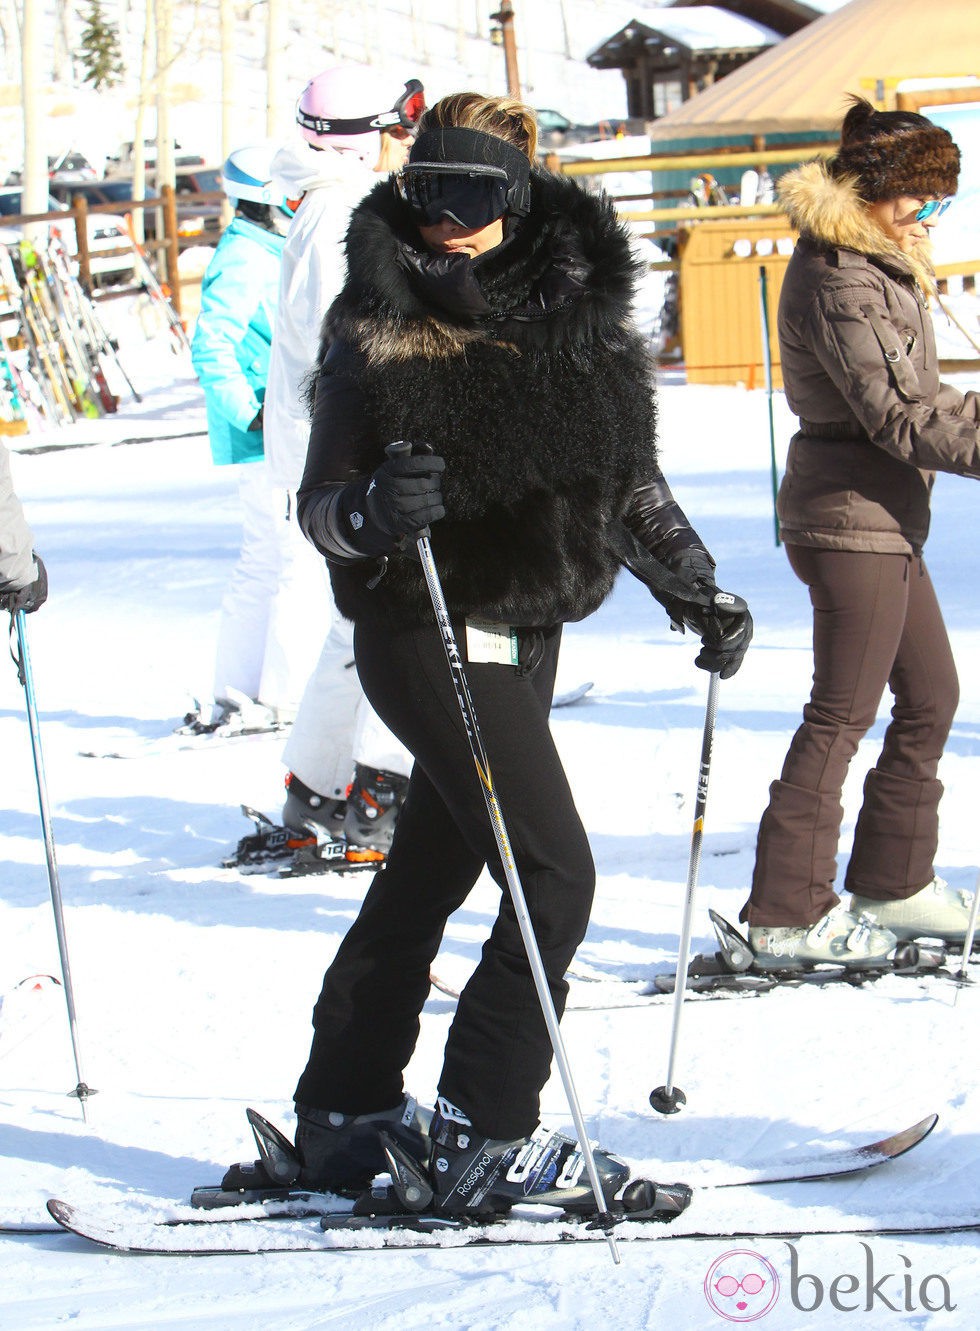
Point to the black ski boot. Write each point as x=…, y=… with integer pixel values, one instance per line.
x=373, y=803
x=334, y=1152
x=343, y=1152
x=472, y=1180
x=304, y=806
x=471, y=1174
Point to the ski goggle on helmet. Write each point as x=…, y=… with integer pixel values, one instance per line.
x=468, y=176
x=343, y=103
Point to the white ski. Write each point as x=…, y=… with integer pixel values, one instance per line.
x=572, y=696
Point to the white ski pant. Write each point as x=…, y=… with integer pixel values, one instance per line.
x=336, y=726
x=300, y=611
x=246, y=607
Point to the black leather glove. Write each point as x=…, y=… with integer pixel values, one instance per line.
x=256, y=421
x=29, y=598
x=721, y=619
x=399, y=501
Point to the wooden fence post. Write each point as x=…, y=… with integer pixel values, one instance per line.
x=172, y=251
x=79, y=210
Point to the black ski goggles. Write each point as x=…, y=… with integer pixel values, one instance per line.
x=406, y=113
x=469, y=193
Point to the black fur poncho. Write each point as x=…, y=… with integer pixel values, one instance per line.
x=524, y=371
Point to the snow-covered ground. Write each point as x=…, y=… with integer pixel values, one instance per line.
x=194, y=984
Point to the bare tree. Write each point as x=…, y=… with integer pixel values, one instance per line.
x=275, y=40
x=139, y=128
x=226, y=31
x=34, y=197
x=62, y=44
x=166, y=170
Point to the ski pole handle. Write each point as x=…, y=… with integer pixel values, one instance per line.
x=404, y=448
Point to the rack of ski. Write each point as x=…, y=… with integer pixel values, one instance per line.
x=58, y=364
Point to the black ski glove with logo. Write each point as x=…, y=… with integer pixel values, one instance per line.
x=399, y=501
x=721, y=619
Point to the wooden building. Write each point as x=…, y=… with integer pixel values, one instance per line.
x=684, y=48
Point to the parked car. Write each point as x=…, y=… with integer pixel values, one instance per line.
x=111, y=257
x=557, y=131
x=199, y=180
x=69, y=165
x=197, y=223
x=121, y=161
x=114, y=194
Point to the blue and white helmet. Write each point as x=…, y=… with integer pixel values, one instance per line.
x=247, y=174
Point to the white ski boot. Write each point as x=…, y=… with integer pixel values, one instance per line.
x=840, y=938
x=937, y=911
x=230, y=716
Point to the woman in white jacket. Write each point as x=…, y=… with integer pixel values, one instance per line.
x=352, y=130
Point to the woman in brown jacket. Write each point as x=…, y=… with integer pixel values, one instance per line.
x=860, y=370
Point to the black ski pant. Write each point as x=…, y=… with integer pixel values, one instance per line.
x=876, y=623
x=366, y=1020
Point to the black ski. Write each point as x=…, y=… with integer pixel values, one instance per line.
x=246, y=1214
x=246, y=1237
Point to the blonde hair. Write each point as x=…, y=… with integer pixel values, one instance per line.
x=504, y=117
x=393, y=154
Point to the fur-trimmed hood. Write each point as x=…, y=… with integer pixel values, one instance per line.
x=831, y=212
x=565, y=280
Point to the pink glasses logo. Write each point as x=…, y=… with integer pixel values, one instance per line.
x=741, y=1285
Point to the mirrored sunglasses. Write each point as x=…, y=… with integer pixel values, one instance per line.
x=934, y=208
x=470, y=194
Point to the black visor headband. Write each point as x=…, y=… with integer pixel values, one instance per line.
x=443, y=151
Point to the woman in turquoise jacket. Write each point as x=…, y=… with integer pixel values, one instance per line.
x=230, y=353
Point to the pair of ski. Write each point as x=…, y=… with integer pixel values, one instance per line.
x=239, y=1222
x=732, y=972
x=189, y=737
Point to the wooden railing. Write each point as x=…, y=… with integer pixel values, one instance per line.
x=162, y=251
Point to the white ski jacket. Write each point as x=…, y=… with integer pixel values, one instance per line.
x=330, y=182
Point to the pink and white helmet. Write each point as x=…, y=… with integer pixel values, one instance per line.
x=347, y=106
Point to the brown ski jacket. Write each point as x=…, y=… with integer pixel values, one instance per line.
x=861, y=372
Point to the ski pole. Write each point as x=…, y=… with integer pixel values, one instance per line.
x=667, y=1099
x=23, y=662
x=482, y=764
x=971, y=930
x=157, y=291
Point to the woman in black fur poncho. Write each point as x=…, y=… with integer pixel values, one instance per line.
x=486, y=320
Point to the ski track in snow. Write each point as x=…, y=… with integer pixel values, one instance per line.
x=194, y=984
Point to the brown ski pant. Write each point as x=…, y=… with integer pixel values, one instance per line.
x=876, y=622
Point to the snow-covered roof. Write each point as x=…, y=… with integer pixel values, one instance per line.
x=698, y=29
x=709, y=28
